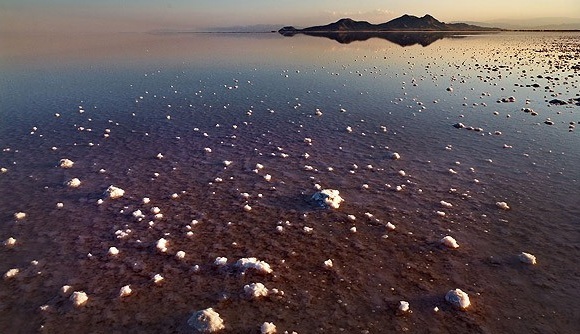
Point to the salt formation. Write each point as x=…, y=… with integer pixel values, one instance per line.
x=114, y=192
x=220, y=261
x=252, y=262
x=157, y=279
x=206, y=321
x=256, y=290
x=19, y=215
x=73, y=183
x=10, y=242
x=502, y=205
x=446, y=204
x=268, y=328
x=449, y=242
x=162, y=245
x=328, y=263
x=395, y=156
x=458, y=298
x=79, y=298
x=66, y=290
x=328, y=198
x=113, y=251
x=403, y=306
x=11, y=273
x=66, y=163
x=527, y=258
x=125, y=291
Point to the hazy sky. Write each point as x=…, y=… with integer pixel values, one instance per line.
x=145, y=15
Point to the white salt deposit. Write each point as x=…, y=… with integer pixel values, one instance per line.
x=113, y=251
x=256, y=290
x=19, y=215
x=11, y=273
x=125, y=291
x=79, y=298
x=448, y=241
x=162, y=245
x=252, y=262
x=440, y=213
x=247, y=208
x=10, y=242
x=59, y=205
x=403, y=306
x=206, y=321
x=65, y=290
x=268, y=177
x=268, y=328
x=328, y=263
x=395, y=156
x=446, y=204
x=527, y=258
x=157, y=279
x=66, y=163
x=328, y=198
x=155, y=210
x=220, y=261
x=502, y=205
x=159, y=156
x=390, y=226
x=73, y=183
x=180, y=255
x=114, y=192
x=458, y=298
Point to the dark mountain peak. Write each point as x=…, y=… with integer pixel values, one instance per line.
x=404, y=23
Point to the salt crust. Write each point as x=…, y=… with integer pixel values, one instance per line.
x=268, y=328
x=206, y=321
x=328, y=198
x=449, y=242
x=79, y=298
x=458, y=298
x=527, y=258
x=252, y=262
x=114, y=192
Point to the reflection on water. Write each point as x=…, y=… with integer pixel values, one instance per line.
x=400, y=38
x=219, y=141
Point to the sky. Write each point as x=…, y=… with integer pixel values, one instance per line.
x=200, y=15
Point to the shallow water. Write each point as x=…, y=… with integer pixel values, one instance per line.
x=252, y=99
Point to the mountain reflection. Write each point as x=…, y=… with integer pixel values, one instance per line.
x=403, y=39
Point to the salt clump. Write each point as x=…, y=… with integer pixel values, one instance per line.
x=403, y=306
x=458, y=298
x=20, y=215
x=446, y=204
x=114, y=192
x=114, y=251
x=162, y=245
x=502, y=205
x=66, y=163
x=11, y=273
x=206, y=321
x=527, y=258
x=157, y=279
x=268, y=328
x=328, y=263
x=256, y=290
x=328, y=198
x=220, y=261
x=449, y=242
x=395, y=156
x=10, y=242
x=73, y=183
x=125, y=291
x=252, y=262
x=79, y=298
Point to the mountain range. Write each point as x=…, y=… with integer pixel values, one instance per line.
x=403, y=23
